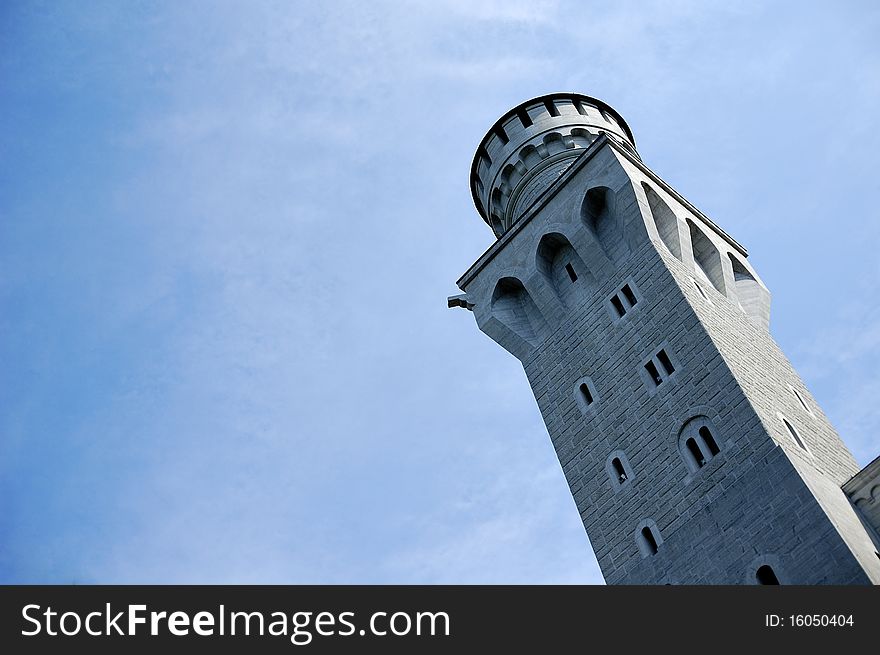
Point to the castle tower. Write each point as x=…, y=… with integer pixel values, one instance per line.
x=694, y=452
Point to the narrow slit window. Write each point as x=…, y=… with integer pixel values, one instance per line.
x=630, y=296
x=666, y=362
x=648, y=536
x=580, y=108
x=653, y=373
x=619, y=470
x=801, y=400
x=695, y=452
x=524, y=118
x=618, y=306
x=585, y=392
x=702, y=293
x=502, y=135
x=551, y=107
x=571, y=274
x=766, y=576
x=710, y=440
x=794, y=434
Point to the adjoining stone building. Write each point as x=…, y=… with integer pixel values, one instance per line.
x=693, y=450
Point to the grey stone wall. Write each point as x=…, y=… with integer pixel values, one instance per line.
x=762, y=498
x=863, y=490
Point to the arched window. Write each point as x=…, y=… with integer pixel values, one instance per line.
x=585, y=394
x=753, y=298
x=766, y=576
x=618, y=469
x=564, y=269
x=695, y=452
x=698, y=444
x=664, y=220
x=707, y=261
x=709, y=440
x=513, y=306
x=648, y=538
x=598, y=213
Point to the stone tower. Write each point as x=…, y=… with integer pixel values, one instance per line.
x=694, y=452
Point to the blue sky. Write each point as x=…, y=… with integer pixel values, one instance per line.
x=227, y=234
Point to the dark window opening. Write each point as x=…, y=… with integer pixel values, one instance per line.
x=570, y=270
x=794, y=434
x=580, y=108
x=652, y=371
x=765, y=575
x=695, y=451
x=630, y=296
x=499, y=131
x=524, y=118
x=648, y=536
x=667, y=364
x=585, y=392
x=551, y=107
x=618, y=306
x=619, y=470
x=710, y=440
x=803, y=404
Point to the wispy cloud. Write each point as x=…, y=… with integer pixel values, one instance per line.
x=228, y=232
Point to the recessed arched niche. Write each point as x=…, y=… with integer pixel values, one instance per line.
x=698, y=443
x=513, y=307
x=753, y=298
x=598, y=214
x=564, y=269
x=664, y=220
x=707, y=261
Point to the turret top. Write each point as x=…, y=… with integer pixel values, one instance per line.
x=531, y=145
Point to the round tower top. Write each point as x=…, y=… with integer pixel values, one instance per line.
x=533, y=144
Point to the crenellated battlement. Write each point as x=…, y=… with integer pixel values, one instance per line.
x=531, y=145
x=693, y=450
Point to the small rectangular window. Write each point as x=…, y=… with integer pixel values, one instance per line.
x=625, y=299
x=665, y=361
x=653, y=373
x=570, y=270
